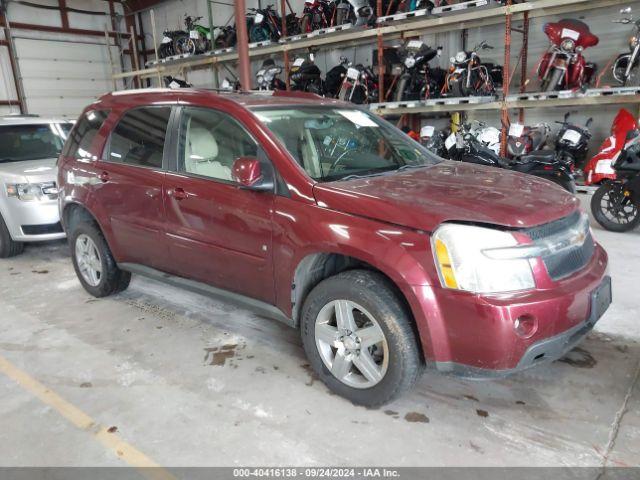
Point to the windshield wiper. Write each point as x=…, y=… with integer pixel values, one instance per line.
x=408, y=167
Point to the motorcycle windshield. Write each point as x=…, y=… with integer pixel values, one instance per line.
x=622, y=124
x=571, y=29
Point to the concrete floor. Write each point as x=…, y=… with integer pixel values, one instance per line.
x=143, y=362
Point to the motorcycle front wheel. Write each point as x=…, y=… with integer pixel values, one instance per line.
x=258, y=33
x=399, y=95
x=553, y=81
x=614, y=210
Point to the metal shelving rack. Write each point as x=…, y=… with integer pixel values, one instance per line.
x=459, y=17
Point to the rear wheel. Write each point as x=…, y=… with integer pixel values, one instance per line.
x=359, y=338
x=614, y=209
x=93, y=262
x=8, y=248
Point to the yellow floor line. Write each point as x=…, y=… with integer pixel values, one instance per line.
x=81, y=420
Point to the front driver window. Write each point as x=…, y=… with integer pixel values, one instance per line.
x=210, y=141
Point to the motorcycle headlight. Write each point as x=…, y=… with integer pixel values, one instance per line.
x=461, y=257
x=260, y=79
x=633, y=41
x=29, y=192
x=410, y=62
x=460, y=57
x=568, y=45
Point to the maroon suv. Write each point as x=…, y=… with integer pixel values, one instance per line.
x=331, y=220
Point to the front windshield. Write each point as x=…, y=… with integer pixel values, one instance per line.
x=19, y=143
x=333, y=143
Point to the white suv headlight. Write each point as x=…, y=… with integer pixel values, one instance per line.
x=29, y=192
x=459, y=252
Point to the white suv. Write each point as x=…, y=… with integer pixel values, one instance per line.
x=29, y=149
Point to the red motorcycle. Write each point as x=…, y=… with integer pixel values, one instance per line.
x=600, y=167
x=563, y=67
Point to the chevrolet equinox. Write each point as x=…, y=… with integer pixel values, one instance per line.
x=328, y=218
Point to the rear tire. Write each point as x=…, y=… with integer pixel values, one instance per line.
x=603, y=196
x=8, y=248
x=372, y=367
x=111, y=279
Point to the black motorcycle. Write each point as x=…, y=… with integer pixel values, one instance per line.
x=173, y=82
x=305, y=76
x=464, y=147
x=227, y=38
x=335, y=76
x=572, y=144
x=418, y=81
x=359, y=85
x=171, y=43
x=468, y=76
x=267, y=76
x=616, y=203
x=434, y=140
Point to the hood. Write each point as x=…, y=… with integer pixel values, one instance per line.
x=450, y=191
x=31, y=171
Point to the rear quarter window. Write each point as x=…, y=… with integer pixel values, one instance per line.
x=81, y=137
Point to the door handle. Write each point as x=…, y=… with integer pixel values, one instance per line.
x=104, y=177
x=178, y=193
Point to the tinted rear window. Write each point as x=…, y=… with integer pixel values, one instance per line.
x=81, y=137
x=138, y=139
x=20, y=143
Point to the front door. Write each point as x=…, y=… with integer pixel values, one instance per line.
x=218, y=233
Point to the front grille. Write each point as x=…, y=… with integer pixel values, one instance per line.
x=42, y=229
x=569, y=260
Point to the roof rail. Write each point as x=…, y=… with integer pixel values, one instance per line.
x=296, y=94
x=19, y=115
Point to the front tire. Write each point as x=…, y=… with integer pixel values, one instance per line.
x=8, y=248
x=93, y=262
x=553, y=82
x=359, y=338
x=612, y=212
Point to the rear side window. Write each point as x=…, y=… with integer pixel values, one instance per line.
x=138, y=139
x=79, y=142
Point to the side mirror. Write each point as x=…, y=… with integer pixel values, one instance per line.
x=247, y=171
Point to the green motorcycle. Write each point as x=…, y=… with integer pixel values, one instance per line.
x=198, y=39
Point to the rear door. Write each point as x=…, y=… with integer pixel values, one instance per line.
x=217, y=232
x=131, y=176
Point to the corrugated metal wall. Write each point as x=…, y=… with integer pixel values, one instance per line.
x=61, y=73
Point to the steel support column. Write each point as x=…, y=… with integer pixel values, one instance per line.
x=285, y=54
x=244, y=66
x=381, y=69
x=506, y=80
x=524, y=64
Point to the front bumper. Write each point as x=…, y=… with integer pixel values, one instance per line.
x=38, y=214
x=474, y=336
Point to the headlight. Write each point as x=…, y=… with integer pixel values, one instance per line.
x=633, y=41
x=462, y=263
x=568, y=45
x=410, y=62
x=260, y=79
x=29, y=192
x=460, y=57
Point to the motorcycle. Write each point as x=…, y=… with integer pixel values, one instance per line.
x=306, y=76
x=414, y=5
x=463, y=146
x=468, y=76
x=487, y=136
x=266, y=77
x=355, y=12
x=334, y=77
x=417, y=80
x=266, y=24
x=199, y=39
x=173, y=82
x=524, y=139
x=572, y=143
x=227, y=38
x=616, y=203
x=359, y=85
x=599, y=168
x=563, y=67
x=316, y=14
x=433, y=140
x=626, y=69
x=169, y=45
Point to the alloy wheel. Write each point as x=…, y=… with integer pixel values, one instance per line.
x=351, y=344
x=617, y=207
x=89, y=260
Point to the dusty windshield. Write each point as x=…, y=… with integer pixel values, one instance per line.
x=333, y=143
x=19, y=143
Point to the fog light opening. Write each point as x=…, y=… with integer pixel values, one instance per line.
x=526, y=326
